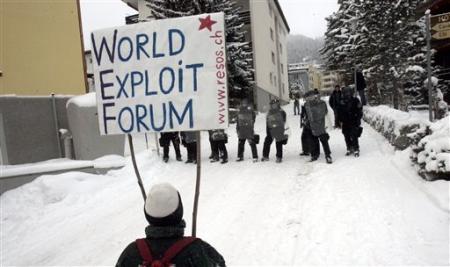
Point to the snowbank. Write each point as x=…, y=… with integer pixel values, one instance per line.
x=430, y=142
x=87, y=100
x=394, y=124
x=432, y=152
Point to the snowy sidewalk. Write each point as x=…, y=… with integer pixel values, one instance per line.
x=372, y=210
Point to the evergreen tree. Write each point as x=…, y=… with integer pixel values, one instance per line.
x=239, y=56
x=384, y=39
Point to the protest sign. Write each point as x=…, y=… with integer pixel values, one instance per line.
x=161, y=76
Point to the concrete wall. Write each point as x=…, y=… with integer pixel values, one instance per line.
x=27, y=128
x=87, y=142
x=41, y=48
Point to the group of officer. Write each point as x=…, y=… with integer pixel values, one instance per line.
x=348, y=113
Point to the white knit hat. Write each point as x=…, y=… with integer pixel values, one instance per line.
x=163, y=205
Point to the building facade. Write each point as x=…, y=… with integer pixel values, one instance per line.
x=298, y=74
x=42, y=48
x=321, y=79
x=315, y=76
x=329, y=80
x=267, y=31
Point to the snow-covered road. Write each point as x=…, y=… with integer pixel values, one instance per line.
x=372, y=210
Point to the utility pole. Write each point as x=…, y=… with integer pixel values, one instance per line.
x=429, y=85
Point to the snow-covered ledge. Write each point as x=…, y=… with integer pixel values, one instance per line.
x=429, y=142
x=106, y=162
x=12, y=176
x=394, y=124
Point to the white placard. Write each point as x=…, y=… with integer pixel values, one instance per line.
x=161, y=76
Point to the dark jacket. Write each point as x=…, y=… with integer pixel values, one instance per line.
x=335, y=98
x=217, y=135
x=166, y=137
x=199, y=253
x=189, y=137
x=304, y=118
x=360, y=81
x=350, y=112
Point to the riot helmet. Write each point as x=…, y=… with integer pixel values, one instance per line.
x=347, y=92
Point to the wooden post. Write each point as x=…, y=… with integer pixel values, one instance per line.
x=197, y=185
x=133, y=158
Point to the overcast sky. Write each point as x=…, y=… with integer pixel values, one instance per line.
x=305, y=17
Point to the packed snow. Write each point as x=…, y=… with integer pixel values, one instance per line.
x=436, y=153
x=372, y=210
x=86, y=100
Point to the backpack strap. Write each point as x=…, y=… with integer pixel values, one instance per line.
x=144, y=251
x=176, y=248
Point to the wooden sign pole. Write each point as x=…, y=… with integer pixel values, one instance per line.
x=197, y=186
x=133, y=158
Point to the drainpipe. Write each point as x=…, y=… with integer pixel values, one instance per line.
x=66, y=136
x=55, y=119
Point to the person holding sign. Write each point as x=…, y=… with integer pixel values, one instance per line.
x=165, y=140
x=189, y=140
x=244, y=127
x=165, y=243
x=276, y=120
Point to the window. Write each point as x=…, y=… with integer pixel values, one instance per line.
x=275, y=80
x=271, y=33
x=273, y=58
x=270, y=9
x=271, y=82
x=281, y=49
x=282, y=68
x=283, y=89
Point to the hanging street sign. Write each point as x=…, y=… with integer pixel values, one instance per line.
x=441, y=35
x=440, y=26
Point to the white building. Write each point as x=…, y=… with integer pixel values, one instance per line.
x=267, y=31
x=329, y=80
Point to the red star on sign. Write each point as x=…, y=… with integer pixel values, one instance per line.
x=206, y=23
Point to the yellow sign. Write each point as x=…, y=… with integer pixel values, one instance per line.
x=441, y=26
x=442, y=35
